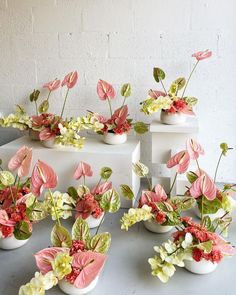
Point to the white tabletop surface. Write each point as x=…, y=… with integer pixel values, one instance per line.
x=127, y=271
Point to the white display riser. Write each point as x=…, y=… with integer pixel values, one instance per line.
x=166, y=141
x=95, y=152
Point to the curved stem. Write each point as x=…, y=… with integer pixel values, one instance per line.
x=202, y=210
x=36, y=108
x=49, y=93
x=172, y=186
x=163, y=86
x=100, y=223
x=198, y=166
x=123, y=102
x=54, y=206
x=189, y=78
x=109, y=102
x=149, y=183
x=62, y=111
x=217, y=166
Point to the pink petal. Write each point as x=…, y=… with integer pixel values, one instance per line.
x=160, y=192
x=70, y=79
x=155, y=93
x=53, y=85
x=102, y=188
x=224, y=247
x=83, y=169
x=194, y=149
x=200, y=55
x=46, y=256
x=21, y=161
x=181, y=160
x=203, y=186
x=43, y=176
x=187, y=111
x=91, y=264
x=46, y=134
x=105, y=90
x=4, y=219
x=120, y=115
x=148, y=197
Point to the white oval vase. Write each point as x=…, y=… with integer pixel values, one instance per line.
x=11, y=243
x=218, y=214
x=94, y=222
x=202, y=267
x=49, y=143
x=112, y=138
x=34, y=135
x=155, y=227
x=172, y=119
x=70, y=289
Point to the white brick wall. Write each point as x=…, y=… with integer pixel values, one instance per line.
x=121, y=41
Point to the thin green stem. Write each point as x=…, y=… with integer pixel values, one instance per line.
x=13, y=200
x=123, y=102
x=189, y=78
x=162, y=84
x=198, y=166
x=83, y=179
x=36, y=108
x=100, y=223
x=217, y=166
x=49, y=93
x=63, y=108
x=202, y=209
x=98, y=183
x=109, y=102
x=54, y=206
x=172, y=186
x=149, y=183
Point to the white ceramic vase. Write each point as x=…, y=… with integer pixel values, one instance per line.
x=112, y=138
x=70, y=289
x=11, y=243
x=155, y=227
x=49, y=143
x=34, y=135
x=94, y=222
x=202, y=267
x=172, y=119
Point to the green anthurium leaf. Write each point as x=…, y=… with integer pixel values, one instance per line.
x=205, y=246
x=224, y=148
x=126, y=192
x=106, y=172
x=207, y=223
x=44, y=106
x=140, y=169
x=71, y=191
x=110, y=201
x=100, y=243
x=81, y=190
x=191, y=101
x=34, y=95
x=0, y=161
x=140, y=127
x=183, y=203
x=20, y=110
x=22, y=230
x=80, y=230
x=60, y=237
x=209, y=207
x=126, y=90
x=173, y=89
x=191, y=176
x=38, y=213
x=7, y=178
x=180, y=82
x=158, y=74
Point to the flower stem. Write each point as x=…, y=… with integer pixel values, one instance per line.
x=62, y=111
x=149, y=183
x=198, y=166
x=49, y=93
x=172, y=186
x=217, y=166
x=54, y=206
x=36, y=108
x=100, y=223
x=123, y=102
x=202, y=201
x=98, y=183
x=162, y=84
x=189, y=78
x=83, y=179
x=109, y=102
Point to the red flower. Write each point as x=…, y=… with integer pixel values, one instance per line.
x=216, y=256
x=7, y=230
x=97, y=212
x=85, y=208
x=77, y=246
x=160, y=217
x=197, y=254
x=73, y=275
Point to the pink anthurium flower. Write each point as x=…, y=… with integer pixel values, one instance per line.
x=53, y=85
x=181, y=160
x=223, y=246
x=200, y=55
x=46, y=134
x=90, y=263
x=120, y=115
x=105, y=90
x=158, y=195
x=194, y=149
x=203, y=186
x=43, y=176
x=70, y=80
x=85, y=208
x=187, y=111
x=21, y=161
x=4, y=219
x=83, y=169
x=155, y=93
x=46, y=256
x=102, y=188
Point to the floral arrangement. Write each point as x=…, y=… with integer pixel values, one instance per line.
x=154, y=204
x=100, y=199
x=77, y=259
x=191, y=242
x=19, y=208
x=171, y=101
x=118, y=123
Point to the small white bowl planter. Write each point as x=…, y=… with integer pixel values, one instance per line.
x=112, y=138
x=49, y=143
x=202, y=267
x=155, y=227
x=70, y=289
x=94, y=222
x=172, y=119
x=11, y=243
x=34, y=135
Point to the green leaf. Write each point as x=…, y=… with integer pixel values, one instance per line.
x=173, y=89
x=180, y=82
x=72, y=192
x=207, y=223
x=224, y=147
x=158, y=74
x=209, y=207
x=82, y=189
x=183, y=203
x=37, y=211
x=80, y=230
x=110, y=201
x=44, y=106
x=191, y=176
x=140, y=169
x=106, y=172
x=22, y=230
x=60, y=237
x=191, y=101
x=34, y=95
x=205, y=246
x=7, y=178
x=126, y=192
x=100, y=243
x=0, y=162
x=20, y=110
x=140, y=127
x=126, y=90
